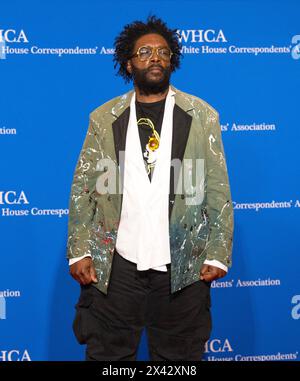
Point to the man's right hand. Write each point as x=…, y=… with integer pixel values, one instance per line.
x=84, y=271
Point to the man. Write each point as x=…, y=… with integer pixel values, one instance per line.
x=149, y=230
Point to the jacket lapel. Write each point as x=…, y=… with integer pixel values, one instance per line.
x=181, y=129
x=119, y=127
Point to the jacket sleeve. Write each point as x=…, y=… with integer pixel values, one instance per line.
x=219, y=203
x=82, y=202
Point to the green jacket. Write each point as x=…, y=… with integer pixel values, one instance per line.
x=197, y=231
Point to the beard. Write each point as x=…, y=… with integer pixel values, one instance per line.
x=148, y=84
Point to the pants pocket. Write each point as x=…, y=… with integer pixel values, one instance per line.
x=80, y=323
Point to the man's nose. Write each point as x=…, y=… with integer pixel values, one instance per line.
x=155, y=57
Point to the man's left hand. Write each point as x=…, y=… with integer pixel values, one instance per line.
x=209, y=273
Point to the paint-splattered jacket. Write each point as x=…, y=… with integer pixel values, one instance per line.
x=197, y=232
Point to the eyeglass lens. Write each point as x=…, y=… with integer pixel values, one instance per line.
x=146, y=52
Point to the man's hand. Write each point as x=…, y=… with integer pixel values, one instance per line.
x=209, y=273
x=84, y=271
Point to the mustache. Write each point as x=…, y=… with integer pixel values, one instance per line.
x=155, y=66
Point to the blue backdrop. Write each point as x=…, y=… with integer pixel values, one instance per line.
x=242, y=57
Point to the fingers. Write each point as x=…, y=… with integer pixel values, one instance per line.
x=208, y=277
x=85, y=276
x=210, y=273
x=84, y=271
x=82, y=276
x=204, y=271
x=93, y=274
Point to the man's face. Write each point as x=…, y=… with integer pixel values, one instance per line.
x=152, y=75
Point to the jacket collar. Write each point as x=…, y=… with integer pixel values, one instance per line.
x=124, y=102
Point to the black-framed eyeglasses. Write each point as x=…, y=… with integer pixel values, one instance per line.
x=145, y=53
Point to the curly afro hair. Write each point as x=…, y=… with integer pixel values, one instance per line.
x=124, y=43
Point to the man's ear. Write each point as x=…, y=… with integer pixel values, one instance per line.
x=129, y=67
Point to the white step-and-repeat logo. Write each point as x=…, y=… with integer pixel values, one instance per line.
x=244, y=283
x=8, y=131
x=217, y=349
x=14, y=204
x=258, y=206
x=194, y=41
x=248, y=127
x=5, y=295
x=14, y=355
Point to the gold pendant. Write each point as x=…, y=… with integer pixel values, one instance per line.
x=153, y=143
